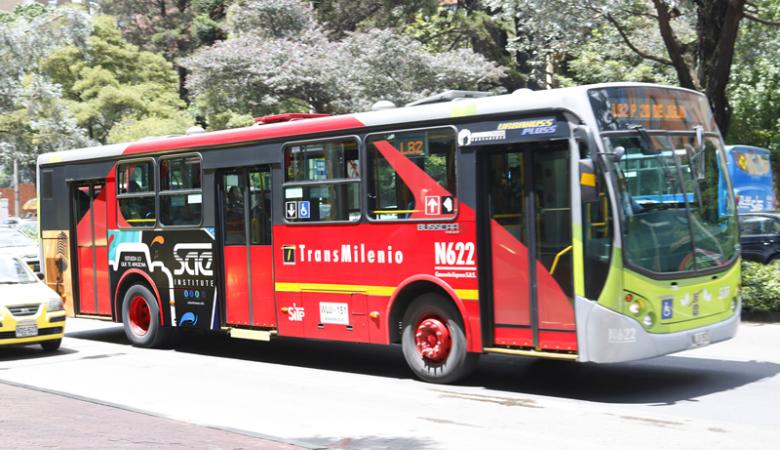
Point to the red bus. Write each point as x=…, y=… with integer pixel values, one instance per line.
x=499, y=224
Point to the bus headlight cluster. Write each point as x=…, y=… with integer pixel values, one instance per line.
x=636, y=304
x=640, y=308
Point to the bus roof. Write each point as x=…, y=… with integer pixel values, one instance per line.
x=572, y=98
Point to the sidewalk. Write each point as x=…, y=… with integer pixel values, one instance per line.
x=32, y=419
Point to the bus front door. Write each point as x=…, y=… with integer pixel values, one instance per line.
x=525, y=223
x=245, y=222
x=90, y=216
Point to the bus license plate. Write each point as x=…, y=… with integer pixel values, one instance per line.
x=26, y=330
x=700, y=339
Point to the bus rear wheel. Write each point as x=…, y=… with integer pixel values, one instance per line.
x=434, y=342
x=141, y=318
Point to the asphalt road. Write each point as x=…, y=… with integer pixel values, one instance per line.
x=349, y=396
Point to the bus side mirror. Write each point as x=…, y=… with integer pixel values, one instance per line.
x=589, y=190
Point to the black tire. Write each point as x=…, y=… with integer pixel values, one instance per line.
x=51, y=346
x=154, y=334
x=457, y=363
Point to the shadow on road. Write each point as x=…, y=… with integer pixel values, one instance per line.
x=662, y=381
x=32, y=351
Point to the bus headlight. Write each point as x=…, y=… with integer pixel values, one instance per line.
x=54, y=305
x=635, y=307
x=648, y=320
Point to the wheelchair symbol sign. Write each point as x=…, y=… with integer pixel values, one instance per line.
x=304, y=212
x=667, y=309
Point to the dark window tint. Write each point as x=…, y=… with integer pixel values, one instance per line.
x=234, y=210
x=136, y=194
x=322, y=161
x=46, y=185
x=181, y=198
x=322, y=181
x=433, y=151
x=138, y=211
x=180, y=174
x=135, y=177
x=260, y=207
x=182, y=209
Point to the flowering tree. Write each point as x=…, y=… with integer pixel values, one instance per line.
x=279, y=58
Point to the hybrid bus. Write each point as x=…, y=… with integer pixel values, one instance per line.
x=496, y=224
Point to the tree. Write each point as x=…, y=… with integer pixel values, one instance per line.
x=33, y=117
x=470, y=26
x=340, y=17
x=279, y=58
x=172, y=28
x=698, y=36
x=754, y=90
x=110, y=82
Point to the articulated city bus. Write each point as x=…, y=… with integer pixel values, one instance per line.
x=501, y=224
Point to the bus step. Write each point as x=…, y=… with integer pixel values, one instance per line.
x=254, y=335
x=539, y=354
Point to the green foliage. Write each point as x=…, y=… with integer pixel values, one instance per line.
x=341, y=17
x=229, y=119
x=754, y=90
x=602, y=59
x=112, y=82
x=760, y=287
x=475, y=29
x=26, y=10
x=33, y=117
x=129, y=129
x=280, y=59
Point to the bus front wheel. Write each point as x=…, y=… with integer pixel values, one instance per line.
x=434, y=342
x=141, y=318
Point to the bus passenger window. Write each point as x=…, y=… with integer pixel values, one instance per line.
x=181, y=197
x=322, y=181
x=135, y=194
x=389, y=197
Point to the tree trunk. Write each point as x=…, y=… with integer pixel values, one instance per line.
x=717, y=27
x=673, y=47
x=184, y=94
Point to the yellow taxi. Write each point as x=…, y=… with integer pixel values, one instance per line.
x=30, y=312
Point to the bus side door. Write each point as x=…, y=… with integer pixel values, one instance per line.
x=245, y=222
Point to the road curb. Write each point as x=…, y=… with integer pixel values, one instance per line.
x=162, y=416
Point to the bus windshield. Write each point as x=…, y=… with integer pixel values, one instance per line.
x=676, y=215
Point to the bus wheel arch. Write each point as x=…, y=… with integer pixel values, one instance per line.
x=413, y=288
x=129, y=279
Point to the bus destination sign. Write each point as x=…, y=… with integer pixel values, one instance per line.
x=653, y=107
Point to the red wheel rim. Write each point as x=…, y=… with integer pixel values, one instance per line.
x=140, y=316
x=433, y=340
